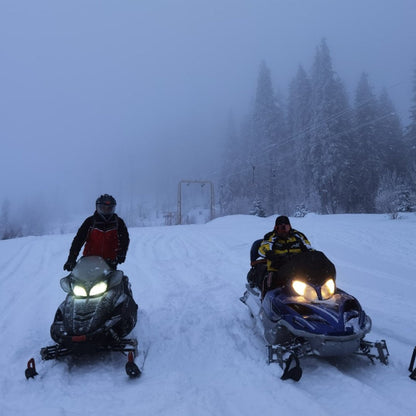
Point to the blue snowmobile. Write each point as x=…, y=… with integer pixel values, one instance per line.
x=309, y=315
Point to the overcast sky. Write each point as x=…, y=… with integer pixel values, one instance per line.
x=129, y=97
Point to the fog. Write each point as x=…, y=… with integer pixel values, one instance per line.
x=130, y=97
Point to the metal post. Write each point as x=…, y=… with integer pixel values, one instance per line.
x=212, y=201
x=179, y=219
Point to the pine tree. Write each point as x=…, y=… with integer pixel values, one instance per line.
x=329, y=157
x=368, y=151
x=410, y=135
x=281, y=156
x=390, y=136
x=7, y=229
x=267, y=119
x=393, y=195
x=410, y=145
x=234, y=192
x=257, y=209
x=299, y=118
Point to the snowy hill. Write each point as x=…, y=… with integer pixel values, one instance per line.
x=206, y=356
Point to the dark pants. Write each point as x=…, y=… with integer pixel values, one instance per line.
x=257, y=274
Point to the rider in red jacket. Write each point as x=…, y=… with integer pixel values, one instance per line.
x=104, y=234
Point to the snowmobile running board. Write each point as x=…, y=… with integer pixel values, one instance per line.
x=412, y=369
x=126, y=346
x=286, y=355
x=57, y=350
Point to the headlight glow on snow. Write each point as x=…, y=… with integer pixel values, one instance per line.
x=305, y=290
x=328, y=289
x=98, y=289
x=79, y=291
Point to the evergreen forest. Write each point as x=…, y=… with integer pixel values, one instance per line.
x=318, y=150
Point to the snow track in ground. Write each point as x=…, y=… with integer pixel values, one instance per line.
x=206, y=355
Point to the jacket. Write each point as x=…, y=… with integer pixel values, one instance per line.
x=278, y=250
x=108, y=239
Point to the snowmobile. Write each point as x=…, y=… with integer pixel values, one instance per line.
x=308, y=315
x=97, y=314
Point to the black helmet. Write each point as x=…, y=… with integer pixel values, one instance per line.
x=106, y=205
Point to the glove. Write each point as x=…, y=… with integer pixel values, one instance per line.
x=69, y=265
x=276, y=260
x=121, y=259
x=112, y=263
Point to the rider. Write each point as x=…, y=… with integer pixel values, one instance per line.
x=279, y=247
x=104, y=234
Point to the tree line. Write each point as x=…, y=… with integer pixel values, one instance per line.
x=317, y=152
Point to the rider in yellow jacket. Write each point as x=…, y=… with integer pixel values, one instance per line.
x=279, y=247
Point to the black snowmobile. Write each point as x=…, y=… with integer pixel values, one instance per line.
x=97, y=314
x=308, y=315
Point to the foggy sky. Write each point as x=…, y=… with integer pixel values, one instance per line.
x=130, y=97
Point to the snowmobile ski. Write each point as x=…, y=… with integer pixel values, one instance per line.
x=132, y=369
x=30, y=371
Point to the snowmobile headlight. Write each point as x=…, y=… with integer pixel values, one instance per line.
x=98, y=289
x=305, y=290
x=328, y=289
x=79, y=291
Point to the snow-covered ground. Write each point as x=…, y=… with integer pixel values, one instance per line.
x=206, y=356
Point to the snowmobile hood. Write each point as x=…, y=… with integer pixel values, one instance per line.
x=340, y=315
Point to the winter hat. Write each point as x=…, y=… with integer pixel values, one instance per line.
x=282, y=219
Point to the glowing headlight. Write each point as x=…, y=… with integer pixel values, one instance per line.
x=98, y=289
x=305, y=290
x=328, y=289
x=79, y=291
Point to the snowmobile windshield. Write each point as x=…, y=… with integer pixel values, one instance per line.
x=89, y=277
x=311, y=267
x=91, y=269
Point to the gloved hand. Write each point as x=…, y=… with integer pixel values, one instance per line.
x=276, y=260
x=112, y=263
x=69, y=265
x=121, y=259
